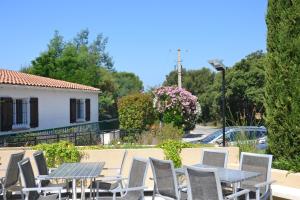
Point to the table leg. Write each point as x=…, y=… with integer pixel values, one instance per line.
x=234, y=189
x=82, y=190
x=74, y=194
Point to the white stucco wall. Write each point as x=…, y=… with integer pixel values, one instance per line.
x=53, y=104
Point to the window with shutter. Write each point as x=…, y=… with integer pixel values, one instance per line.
x=20, y=113
x=6, y=109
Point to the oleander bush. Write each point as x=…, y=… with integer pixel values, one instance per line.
x=177, y=106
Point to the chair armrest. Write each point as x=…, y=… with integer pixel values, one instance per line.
x=111, y=168
x=42, y=189
x=128, y=189
x=179, y=171
x=112, y=178
x=237, y=194
x=43, y=177
x=263, y=184
x=51, y=169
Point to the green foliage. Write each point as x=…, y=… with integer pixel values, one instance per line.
x=128, y=83
x=84, y=62
x=172, y=150
x=199, y=83
x=244, y=90
x=157, y=134
x=245, y=144
x=282, y=95
x=58, y=153
x=135, y=111
x=292, y=165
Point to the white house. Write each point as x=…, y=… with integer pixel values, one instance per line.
x=29, y=102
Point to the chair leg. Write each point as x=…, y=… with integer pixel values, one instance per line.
x=4, y=194
x=271, y=194
x=154, y=191
x=22, y=195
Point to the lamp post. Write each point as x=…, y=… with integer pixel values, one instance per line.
x=219, y=66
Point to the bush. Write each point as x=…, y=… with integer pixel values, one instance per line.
x=172, y=150
x=292, y=165
x=245, y=144
x=135, y=111
x=178, y=106
x=58, y=153
x=157, y=134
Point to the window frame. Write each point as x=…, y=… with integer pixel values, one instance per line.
x=25, y=119
x=82, y=109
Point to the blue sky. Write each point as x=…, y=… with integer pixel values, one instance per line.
x=143, y=34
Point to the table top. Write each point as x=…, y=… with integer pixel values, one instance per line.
x=77, y=170
x=227, y=175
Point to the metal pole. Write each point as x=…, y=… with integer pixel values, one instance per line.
x=223, y=105
x=179, y=68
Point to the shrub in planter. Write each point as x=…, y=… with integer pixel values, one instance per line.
x=135, y=111
x=178, y=106
x=172, y=150
x=58, y=153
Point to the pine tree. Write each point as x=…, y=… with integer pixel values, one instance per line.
x=282, y=95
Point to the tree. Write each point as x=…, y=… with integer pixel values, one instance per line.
x=88, y=63
x=245, y=90
x=127, y=83
x=282, y=95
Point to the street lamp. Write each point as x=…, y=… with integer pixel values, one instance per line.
x=219, y=66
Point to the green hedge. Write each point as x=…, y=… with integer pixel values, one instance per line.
x=135, y=111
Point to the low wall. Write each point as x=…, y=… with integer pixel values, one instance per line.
x=190, y=156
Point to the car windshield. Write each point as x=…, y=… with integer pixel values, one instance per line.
x=212, y=136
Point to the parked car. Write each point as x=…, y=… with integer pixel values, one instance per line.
x=232, y=134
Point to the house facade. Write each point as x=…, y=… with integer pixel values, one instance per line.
x=29, y=103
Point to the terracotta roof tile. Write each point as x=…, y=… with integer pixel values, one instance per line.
x=19, y=78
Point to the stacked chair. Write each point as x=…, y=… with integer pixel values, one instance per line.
x=11, y=179
x=31, y=189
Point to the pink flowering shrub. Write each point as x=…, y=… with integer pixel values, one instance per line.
x=177, y=105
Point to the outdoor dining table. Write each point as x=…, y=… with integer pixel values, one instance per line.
x=77, y=171
x=231, y=176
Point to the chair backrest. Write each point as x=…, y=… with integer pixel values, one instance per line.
x=137, y=177
x=164, y=178
x=123, y=161
x=260, y=163
x=41, y=164
x=203, y=184
x=215, y=158
x=28, y=178
x=12, y=172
